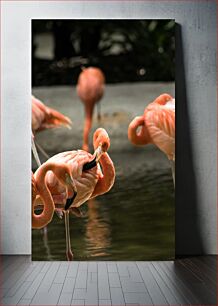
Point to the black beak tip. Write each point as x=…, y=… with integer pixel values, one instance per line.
x=90, y=165
x=69, y=202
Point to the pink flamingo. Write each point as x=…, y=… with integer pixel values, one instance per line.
x=157, y=127
x=70, y=179
x=44, y=117
x=90, y=89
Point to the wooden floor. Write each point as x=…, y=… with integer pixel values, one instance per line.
x=188, y=281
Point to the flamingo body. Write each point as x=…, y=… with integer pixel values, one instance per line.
x=90, y=87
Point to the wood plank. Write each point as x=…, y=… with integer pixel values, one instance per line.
x=92, y=267
x=61, y=274
x=31, y=291
x=122, y=269
x=81, y=279
x=91, y=294
x=114, y=280
x=178, y=291
x=78, y=302
x=5, y=262
x=112, y=267
x=103, y=282
x=79, y=294
x=105, y=302
x=117, y=297
x=209, y=273
x=65, y=299
x=154, y=290
x=23, y=278
x=169, y=293
x=48, y=298
x=198, y=288
x=138, y=298
x=210, y=260
x=19, y=262
x=185, y=284
x=24, y=302
x=49, y=277
x=134, y=273
x=73, y=269
x=17, y=297
x=69, y=285
x=13, y=277
x=132, y=287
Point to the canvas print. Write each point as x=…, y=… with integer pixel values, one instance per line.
x=103, y=140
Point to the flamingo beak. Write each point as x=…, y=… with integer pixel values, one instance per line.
x=70, y=182
x=69, y=201
x=90, y=165
x=93, y=163
x=98, y=153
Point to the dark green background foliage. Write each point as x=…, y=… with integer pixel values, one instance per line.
x=145, y=50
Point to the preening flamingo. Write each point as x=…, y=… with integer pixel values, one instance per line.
x=44, y=117
x=71, y=178
x=40, y=189
x=157, y=127
x=90, y=89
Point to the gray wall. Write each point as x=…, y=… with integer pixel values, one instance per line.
x=196, y=113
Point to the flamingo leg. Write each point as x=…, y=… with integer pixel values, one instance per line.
x=45, y=241
x=172, y=163
x=99, y=112
x=69, y=202
x=69, y=253
x=42, y=150
x=35, y=153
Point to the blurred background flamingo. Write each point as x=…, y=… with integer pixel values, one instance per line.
x=71, y=178
x=90, y=89
x=44, y=117
x=157, y=126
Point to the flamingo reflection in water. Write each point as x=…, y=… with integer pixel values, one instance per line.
x=69, y=179
x=98, y=234
x=157, y=126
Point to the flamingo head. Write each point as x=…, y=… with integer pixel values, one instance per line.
x=163, y=99
x=101, y=140
x=101, y=143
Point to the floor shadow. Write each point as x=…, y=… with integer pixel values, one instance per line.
x=187, y=227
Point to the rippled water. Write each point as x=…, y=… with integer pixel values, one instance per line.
x=134, y=221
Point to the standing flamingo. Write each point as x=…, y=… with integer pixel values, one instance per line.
x=71, y=178
x=90, y=89
x=157, y=127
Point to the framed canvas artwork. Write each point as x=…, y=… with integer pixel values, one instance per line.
x=103, y=139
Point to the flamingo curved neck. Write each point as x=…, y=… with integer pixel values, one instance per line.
x=39, y=221
x=141, y=137
x=105, y=183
